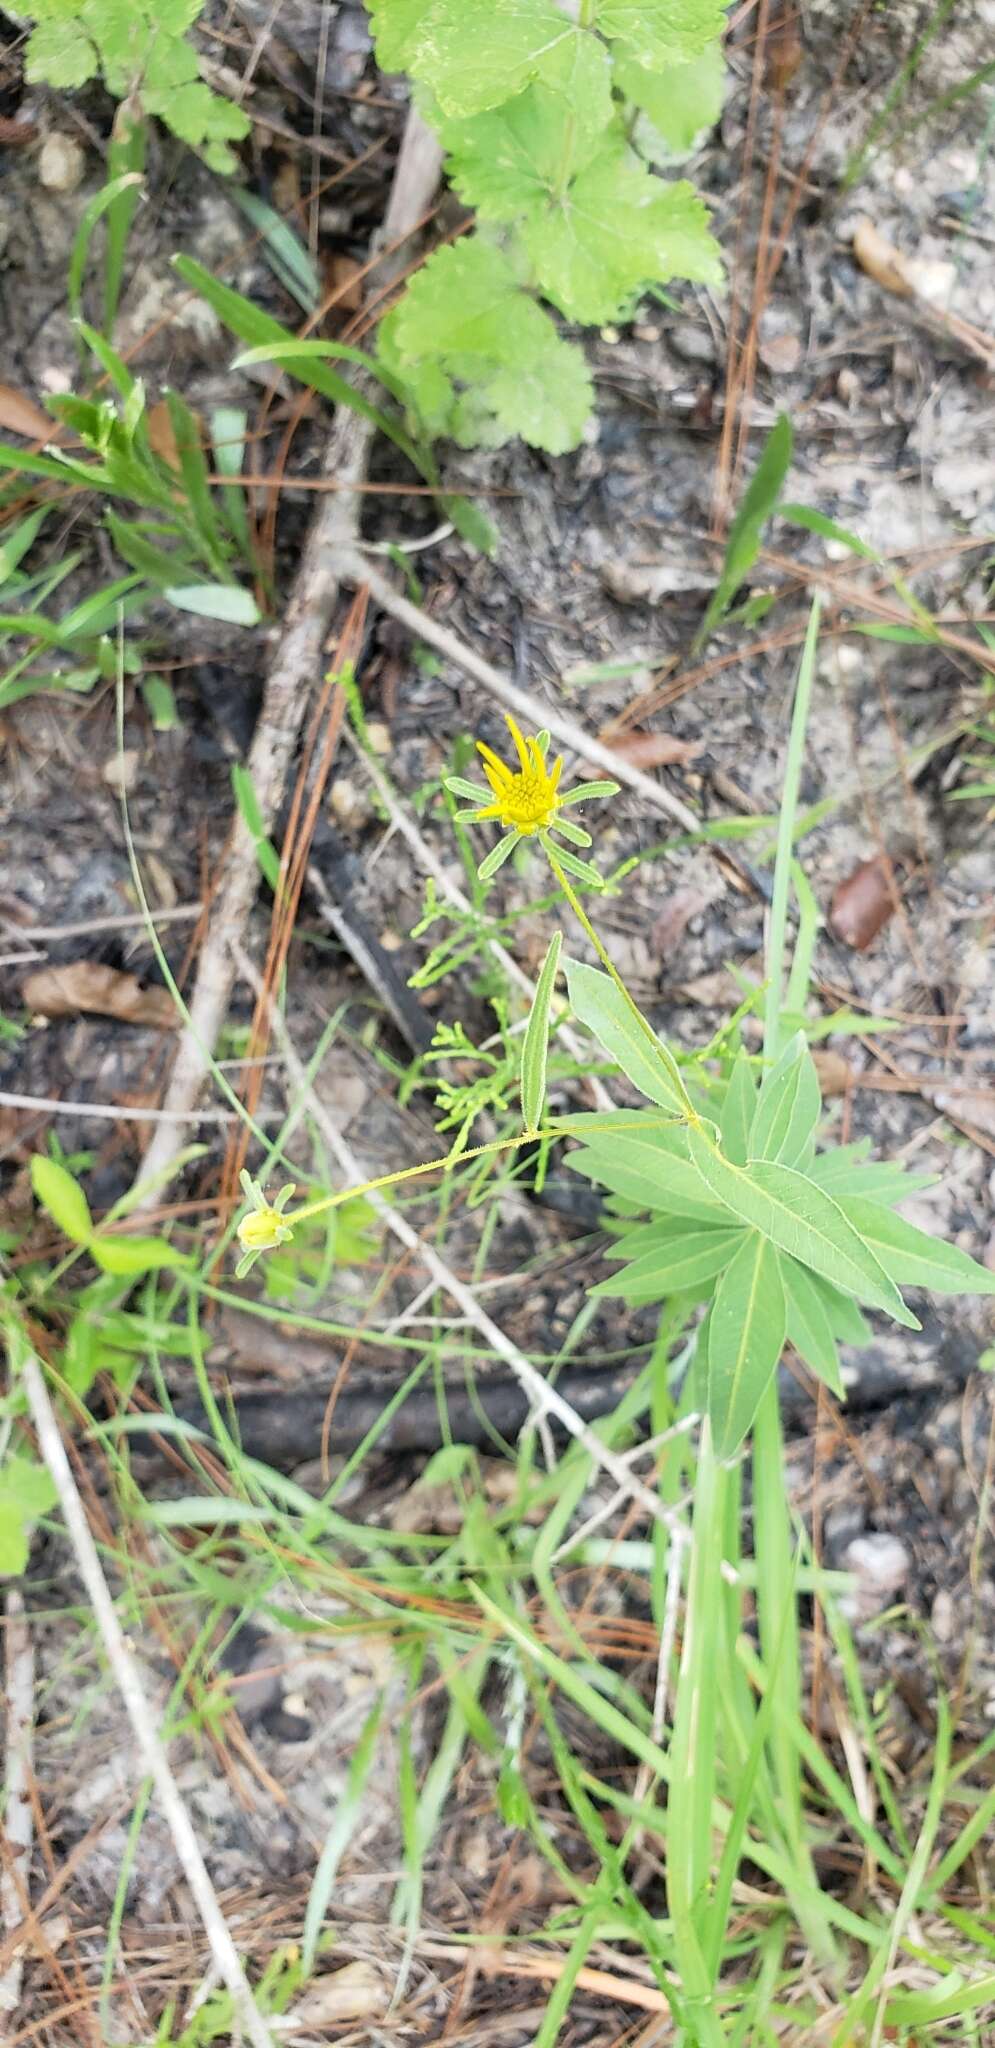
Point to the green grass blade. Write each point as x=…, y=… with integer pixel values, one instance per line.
x=339, y=1836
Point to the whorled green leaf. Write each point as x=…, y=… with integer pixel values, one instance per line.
x=911, y=1257
x=57, y=1191
x=847, y=1322
x=646, y=1162
x=738, y=1107
x=788, y=1111
x=535, y=1046
x=846, y=1170
x=679, y=1264
x=808, y=1325
x=800, y=1218
x=661, y=1233
x=642, y=1057
x=746, y=1330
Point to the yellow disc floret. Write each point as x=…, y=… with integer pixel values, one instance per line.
x=526, y=799
x=261, y=1229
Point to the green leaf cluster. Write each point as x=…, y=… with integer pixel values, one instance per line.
x=535, y=113
x=781, y=1242
x=184, y=546
x=57, y=1191
x=141, y=51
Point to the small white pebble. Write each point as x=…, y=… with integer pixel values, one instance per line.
x=880, y=1565
x=943, y=1617
x=120, y=771
x=349, y=805
x=378, y=735
x=61, y=163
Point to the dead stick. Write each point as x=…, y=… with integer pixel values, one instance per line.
x=530, y=710
x=545, y=1397
x=140, y=1713
x=298, y=662
x=15, y=1898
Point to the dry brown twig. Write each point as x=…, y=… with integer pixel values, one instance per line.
x=297, y=661
x=546, y=1399
x=139, y=1709
x=18, y=1827
x=356, y=568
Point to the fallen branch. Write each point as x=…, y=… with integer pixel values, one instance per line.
x=529, y=710
x=18, y=1817
x=298, y=661
x=545, y=1399
x=140, y=1712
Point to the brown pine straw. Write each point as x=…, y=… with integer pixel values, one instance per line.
x=299, y=833
x=742, y=361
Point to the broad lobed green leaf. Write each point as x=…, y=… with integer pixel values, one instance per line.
x=474, y=54
x=659, y=32
x=679, y=101
x=615, y=229
x=480, y=359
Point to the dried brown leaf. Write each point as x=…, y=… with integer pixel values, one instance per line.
x=864, y=902
x=20, y=415
x=654, y=749
x=835, y=1073
x=161, y=435
x=356, y=1992
x=84, y=985
x=881, y=260
x=14, y=134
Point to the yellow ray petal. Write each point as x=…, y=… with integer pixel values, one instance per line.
x=522, y=749
x=496, y=765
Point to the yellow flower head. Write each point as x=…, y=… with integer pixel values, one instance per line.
x=264, y=1226
x=526, y=800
